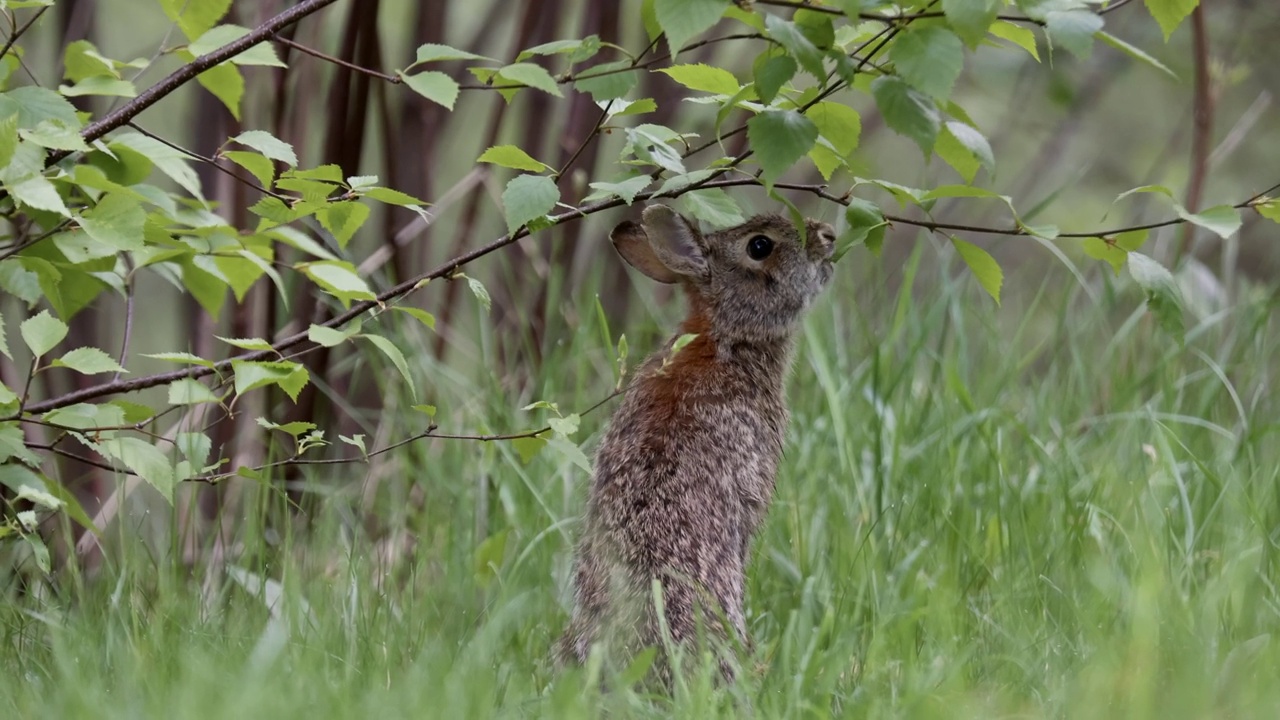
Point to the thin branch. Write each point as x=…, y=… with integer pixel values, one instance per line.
x=13, y=37
x=394, y=79
x=212, y=163
x=48, y=233
x=188, y=72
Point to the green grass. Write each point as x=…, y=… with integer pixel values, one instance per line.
x=1047, y=510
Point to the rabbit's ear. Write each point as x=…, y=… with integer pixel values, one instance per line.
x=633, y=245
x=675, y=242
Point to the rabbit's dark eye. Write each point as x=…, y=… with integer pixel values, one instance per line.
x=759, y=247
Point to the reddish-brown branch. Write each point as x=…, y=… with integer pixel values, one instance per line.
x=1202, y=127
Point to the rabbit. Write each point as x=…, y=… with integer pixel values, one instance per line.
x=685, y=472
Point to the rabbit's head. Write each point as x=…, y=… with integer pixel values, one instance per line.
x=749, y=282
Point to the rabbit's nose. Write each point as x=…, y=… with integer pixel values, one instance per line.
x=825, y=246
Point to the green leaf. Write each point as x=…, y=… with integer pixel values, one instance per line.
x=866, y=223
x=780, y=138
x=195, y=17
x=434, y=86
x=797, y=44
x=433, y=52
x=512, y=157
x=481, y=292
x=330, y=337
x=419, y=314
x=929, y=58
x=983, y=266
x=8, y=138
x=704, y=78
x=907, y=111
x=100, y=85
x=534, y=76
x=42, y=332
x=1116, y=252
x=1018, y=35
x=527, y=198
x=89, y=361
x=1073, y=30
x=1170, y=13
x=627, y=189
x=1270, y=209
x=607, y=81
x=293, y=429
x=682, y=20
x=713, y=206
x=261, y=54
x=142, y=458
x=195, y=447
x=290, y=376
x=55, y=134
x=428, y=410
x=971, y=18
x=565, y=426
x=528, y=447
x=1163, y=299
x=267, y=144
x=188, y=391
x=171, y=162
x=1222, y=220
x=839, y=124
x=181, y=357
x=771, y=73
x=338, y=278
x=257, y=165
x=35, y=104
x=343, y=219
x=1134, y=52
x=224, y=81
x=965, y=149
x=116, y=221
x=396, y=357
x=246, y=343
x=392, y=197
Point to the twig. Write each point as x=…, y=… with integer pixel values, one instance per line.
x=13, y=37
x=188, y=72
x=48, y=233
x=394, y=79
x=212, y=163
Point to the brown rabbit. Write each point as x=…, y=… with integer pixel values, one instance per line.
x=685, y=472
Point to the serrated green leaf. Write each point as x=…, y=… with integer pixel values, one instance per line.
x=144, y=459
x=713, y=206
x=513, y=157
x=36, y=192
x=338, y=278
x=1073, y=30
x=261, y=54
x=1222, y=220
x=35, y=104
x=1269, y=209
x=865, y=223
x=682, y=20
x=534, y=76
x=419, y=314
x=116, y=221
x=392, y=197
x=330, y=337
x=607, y=81
x=396, y=357
x=627, y=189
x=89, y=361
x=434, y=86
x=528, y=448
x=343, y=219
x=779, y=138
x=771, y=72
x=1170, y=13
x=971, y=18
x=181, y=357
x=100, y=85
x=1163, y=298
x=481, y=292
x=54, y=134
x=433, y=52
x=169, y=161
x=257, y=165
x=964, y=149
x=704, y=78
x=1134, y=52
x=929, y=58
x=982, y=265
x=294, y=429
x=42, y=332
x=195, y=17
x=250, y=375
x=797, y=44
x=565, y=426
x=188, y=391
x=839, y=124
x=269, y=145
x=528, y=197
x=907, y=111
x=246, y=343
x=223, y=81
x=1018, y=35
x=428, y=410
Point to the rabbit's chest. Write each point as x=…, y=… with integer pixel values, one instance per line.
x=741, y=450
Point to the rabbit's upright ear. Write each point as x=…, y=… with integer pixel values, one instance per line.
x=675, y=241
x=633, y=245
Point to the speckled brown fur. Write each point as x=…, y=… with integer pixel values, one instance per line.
x=685, y=472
